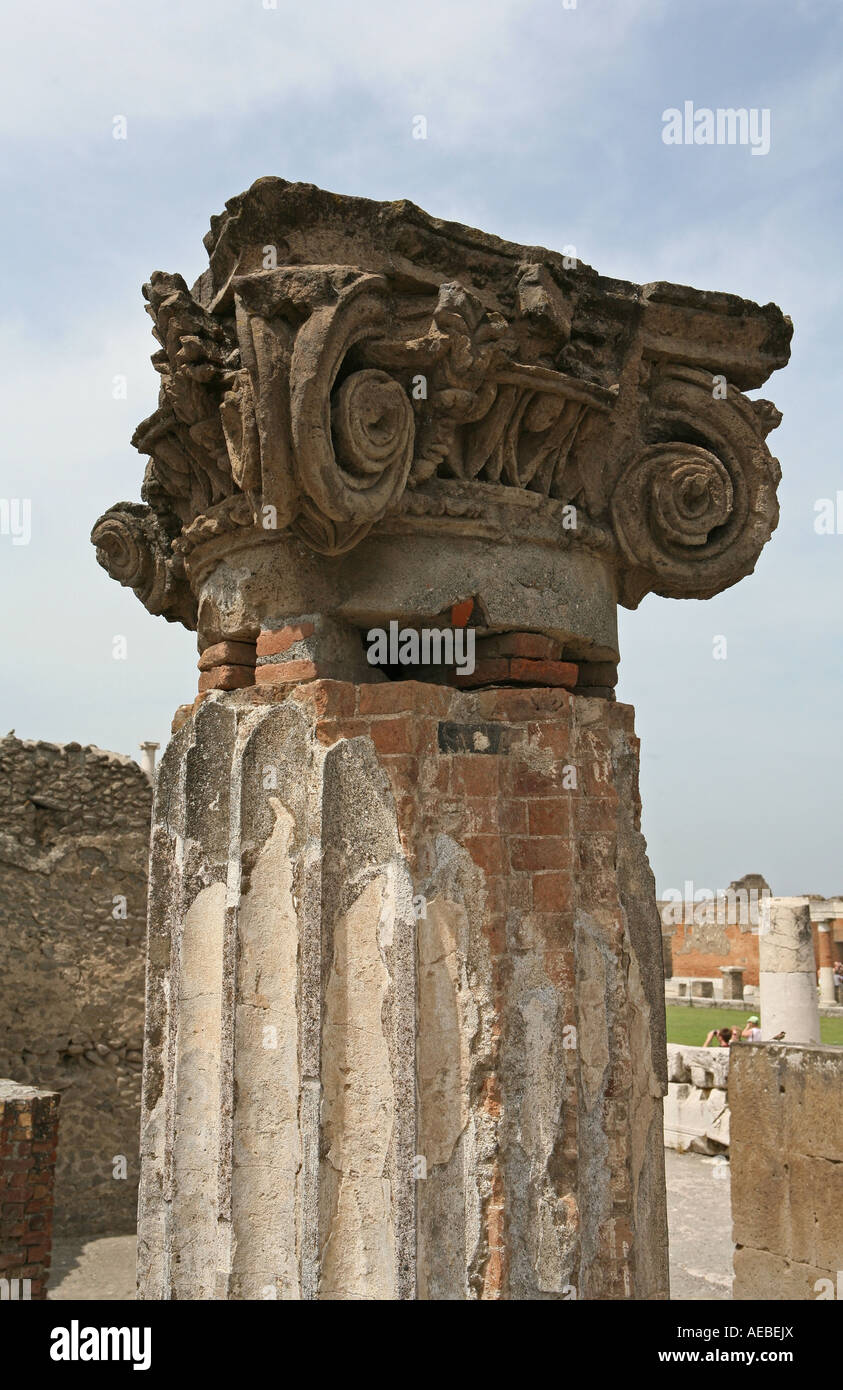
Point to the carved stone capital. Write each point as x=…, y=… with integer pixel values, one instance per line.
x=134, y=547
x=369, y=412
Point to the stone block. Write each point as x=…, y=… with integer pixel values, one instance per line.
x=787, y=1161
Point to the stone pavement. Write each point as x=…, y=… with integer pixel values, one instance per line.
x=699, y=1218
x=103, y=1268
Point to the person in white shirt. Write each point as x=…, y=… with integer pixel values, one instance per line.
x=752, y=1032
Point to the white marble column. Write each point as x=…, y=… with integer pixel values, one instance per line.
x=788, y=981
x=826, y=971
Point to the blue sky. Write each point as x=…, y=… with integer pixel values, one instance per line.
x=544, y=126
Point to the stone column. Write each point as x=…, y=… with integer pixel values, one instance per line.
x=787, y=973
x=405, y=1013
x=732, y=981
x=148, y=751
x=826, y=968
x=404, y=1029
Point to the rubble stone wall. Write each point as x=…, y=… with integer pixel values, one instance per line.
x=74, y=832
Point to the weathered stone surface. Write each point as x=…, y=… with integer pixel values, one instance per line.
x=787, y=973
x=382, y=1061
x=787, y=1170
x=696, y=1111
x=74, y=836
x=369, y=413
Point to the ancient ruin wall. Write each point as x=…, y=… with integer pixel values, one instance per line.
x=700, y=949
x=28, y=1132
x=787, y=1169
x=74, y=830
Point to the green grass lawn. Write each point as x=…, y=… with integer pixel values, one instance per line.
x=690, y=1026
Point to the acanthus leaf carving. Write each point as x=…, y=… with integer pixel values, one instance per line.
x=315, y=400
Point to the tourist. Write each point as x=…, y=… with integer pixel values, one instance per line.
x=752, y=1031
x=723, y=1037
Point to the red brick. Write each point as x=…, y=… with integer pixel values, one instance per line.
x=442, y=780
x=475, y=774
x=461, y=612
x=274, y=641
x=552, y=737
x=513, y=816
x=491, y=672
x=487, y=852
x=550, y=817
x=403, y=770
x=526, y=782
x=227, y=654
x=327, y=698
x=516, y=705
x=533, y=645
x=394, y=697
x=552, y=852
x=328, y=731
x=226, y=678
x=559, y=967
x=543, y=672
x=596, y=814
x=551, y=891
x=287, y=673
x=481, y=815
x=393, y=736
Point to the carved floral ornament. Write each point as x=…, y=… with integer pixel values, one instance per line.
x=328, y=400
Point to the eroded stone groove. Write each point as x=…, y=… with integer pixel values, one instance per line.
x=479, y=1113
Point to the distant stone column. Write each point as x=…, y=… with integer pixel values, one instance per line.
x=826, y=972
x=732, y=981
x=147, y=762
x=787, y=973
